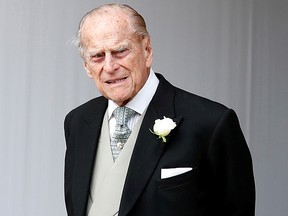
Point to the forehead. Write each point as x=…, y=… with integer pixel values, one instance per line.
x=106, y=25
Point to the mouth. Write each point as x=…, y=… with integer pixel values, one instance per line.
x=115, y=81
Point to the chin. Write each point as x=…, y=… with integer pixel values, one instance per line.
x=122, y=101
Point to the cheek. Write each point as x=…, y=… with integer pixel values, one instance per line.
x=98, y=83
x=139, y=80
x=139, y=73
x=94, y=72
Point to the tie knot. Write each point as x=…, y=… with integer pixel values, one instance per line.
x=123, y=114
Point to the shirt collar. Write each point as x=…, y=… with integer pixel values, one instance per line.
x=142, y=99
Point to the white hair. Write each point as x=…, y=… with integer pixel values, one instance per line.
x=137, y=21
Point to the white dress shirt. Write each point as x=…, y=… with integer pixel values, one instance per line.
x=139, y=103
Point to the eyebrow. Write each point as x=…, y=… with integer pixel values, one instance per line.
x=124, y=45
x=121, y=47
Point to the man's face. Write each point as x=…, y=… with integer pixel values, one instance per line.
x=117, y=60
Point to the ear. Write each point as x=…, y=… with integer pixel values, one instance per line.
x=89, y=73
x=148, y=51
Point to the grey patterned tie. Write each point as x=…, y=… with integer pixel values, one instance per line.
x=122, y=132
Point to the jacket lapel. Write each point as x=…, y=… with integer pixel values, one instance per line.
x=85, y=151
x=148, y=148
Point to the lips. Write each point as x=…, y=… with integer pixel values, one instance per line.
x=115, y=81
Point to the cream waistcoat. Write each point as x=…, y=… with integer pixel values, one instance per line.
x=109, y=177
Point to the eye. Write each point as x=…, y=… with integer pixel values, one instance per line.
x=120, y=53
x=98, y=57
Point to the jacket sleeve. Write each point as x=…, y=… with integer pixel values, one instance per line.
x=68, y=164
x=231, y=165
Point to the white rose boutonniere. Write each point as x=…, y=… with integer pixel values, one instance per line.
x=163, y=127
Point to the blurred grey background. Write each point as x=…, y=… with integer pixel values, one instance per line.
x=231, y=51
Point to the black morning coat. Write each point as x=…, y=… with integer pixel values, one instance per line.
x=207, y=138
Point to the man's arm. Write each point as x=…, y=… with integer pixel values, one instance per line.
x=231, y=164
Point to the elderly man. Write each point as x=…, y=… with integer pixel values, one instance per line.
x=147, y=148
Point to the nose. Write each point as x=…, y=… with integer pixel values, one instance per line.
x=110, y=64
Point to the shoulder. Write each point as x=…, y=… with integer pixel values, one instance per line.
x=191, y=106
x=89, y=109
x=196, y=103
x=198, y=110
x=185, y=101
